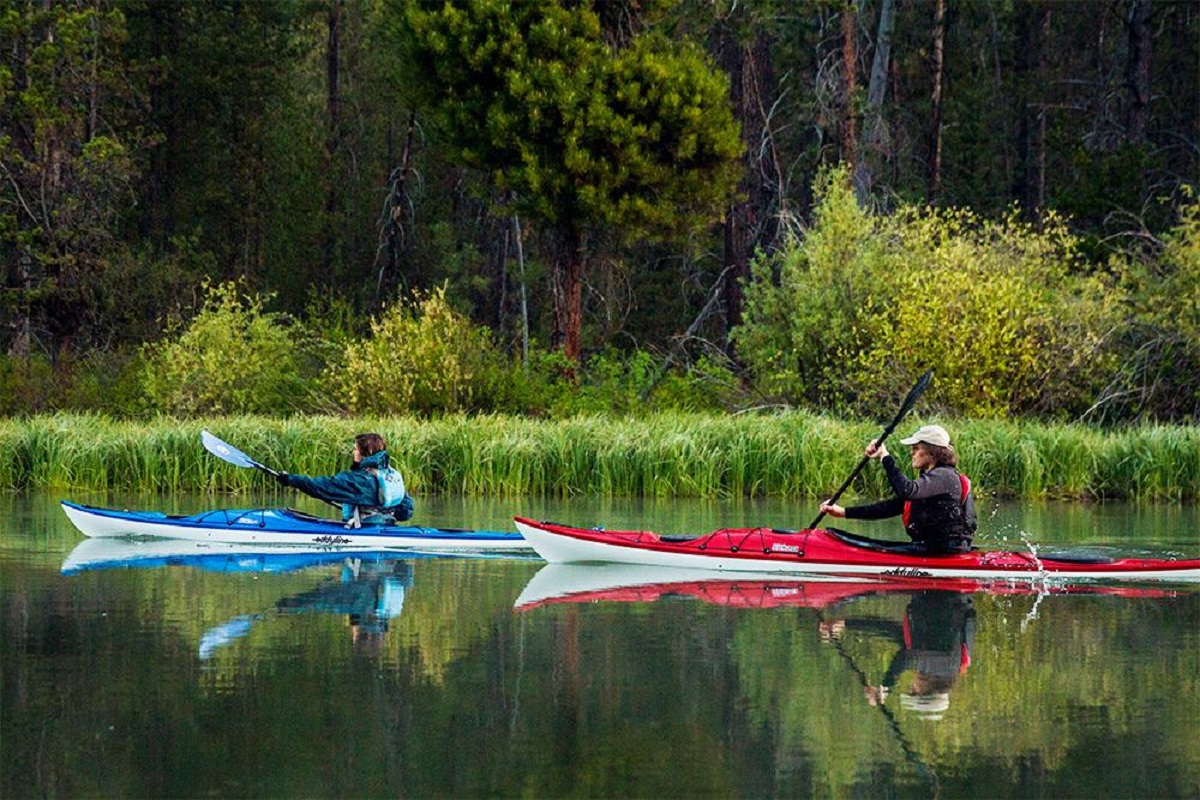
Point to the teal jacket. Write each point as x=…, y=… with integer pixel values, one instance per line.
x=371, y=486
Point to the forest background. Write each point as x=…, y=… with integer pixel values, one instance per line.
x=554, y=208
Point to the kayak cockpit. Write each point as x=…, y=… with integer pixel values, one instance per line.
x=867, y=543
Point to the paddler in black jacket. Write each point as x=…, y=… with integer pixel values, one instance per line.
x=938, y=507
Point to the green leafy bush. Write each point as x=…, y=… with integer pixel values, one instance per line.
x=25, y=385
x=620, y=383
x=101, y=380
x=421, y=357
x=1160, y=348
x=232, y=357
x=866, y=303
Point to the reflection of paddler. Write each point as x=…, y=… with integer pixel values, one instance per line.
x=369, y=593
x=936, y=637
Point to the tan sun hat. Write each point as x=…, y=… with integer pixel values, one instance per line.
x=929, y=434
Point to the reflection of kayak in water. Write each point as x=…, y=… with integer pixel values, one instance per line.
x=829, y=551
x=621, y=583
x=282, y=526
x=114, y=553
x=369, y=593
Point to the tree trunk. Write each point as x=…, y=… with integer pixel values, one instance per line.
x=850, y=82
x=883, y=54
x=397, y=205
x=1137, y=70
x=570, y=267
x=1043, y=110
x=732, y=58
x=876, y=91
x=749, y=223
x=524, y=295
x=22, y=324
x=1033, y=28
x=935, y=133
x=333, y=140
x=159, y=211
x=93, y=114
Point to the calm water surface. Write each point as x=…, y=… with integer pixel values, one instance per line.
x=273, y=677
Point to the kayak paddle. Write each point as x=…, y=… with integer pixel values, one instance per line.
x=913, y=394
x=229, y=453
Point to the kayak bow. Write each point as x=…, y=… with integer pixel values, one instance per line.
x=829, y=551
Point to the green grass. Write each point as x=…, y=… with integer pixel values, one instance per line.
x=789, y=455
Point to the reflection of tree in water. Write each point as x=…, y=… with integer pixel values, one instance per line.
x=370, y=594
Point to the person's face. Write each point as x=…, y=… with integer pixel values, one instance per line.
x=920, y=457
x=357, y=454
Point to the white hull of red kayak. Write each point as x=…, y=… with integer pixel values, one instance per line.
x=573, y=546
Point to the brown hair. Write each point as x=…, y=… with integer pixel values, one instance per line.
x=370, y=443
x=942, y=456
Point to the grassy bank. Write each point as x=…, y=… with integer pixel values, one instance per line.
x=788, y=455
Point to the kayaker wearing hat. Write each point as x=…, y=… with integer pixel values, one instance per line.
x=371, y=492
x=938, y=507
x=936, y=638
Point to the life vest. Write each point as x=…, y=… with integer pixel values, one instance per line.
x=945, y=513
x=393, y=502
x=966, y=490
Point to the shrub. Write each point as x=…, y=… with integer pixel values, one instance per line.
x=26, y=384
x=421, y=357
x=104, y=381
x=232, y=357
x=866, y=301
x=1160, y=348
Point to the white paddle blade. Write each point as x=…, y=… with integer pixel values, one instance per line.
x=226, y=452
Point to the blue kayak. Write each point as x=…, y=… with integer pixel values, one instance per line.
x=284, y=526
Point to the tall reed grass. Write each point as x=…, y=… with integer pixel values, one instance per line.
x=793, y=454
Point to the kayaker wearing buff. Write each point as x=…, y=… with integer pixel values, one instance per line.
x=370, y=492
x=938, y=507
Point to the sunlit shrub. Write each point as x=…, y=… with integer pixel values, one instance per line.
x=232, y=357
x=866, y=303
x=420, y=357
x=803, y=304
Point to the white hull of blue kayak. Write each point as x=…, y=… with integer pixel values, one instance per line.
x=273, y=526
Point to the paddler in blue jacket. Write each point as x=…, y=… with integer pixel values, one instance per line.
x=938, y=507
x=371, y=492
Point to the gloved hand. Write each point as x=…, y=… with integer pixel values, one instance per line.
x=281, y=478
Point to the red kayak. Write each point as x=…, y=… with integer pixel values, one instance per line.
x=830, y=551
x=621, y=583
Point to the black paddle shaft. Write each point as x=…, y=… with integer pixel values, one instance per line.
x=914, y=393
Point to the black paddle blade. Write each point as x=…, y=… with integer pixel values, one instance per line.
x=913, y=395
